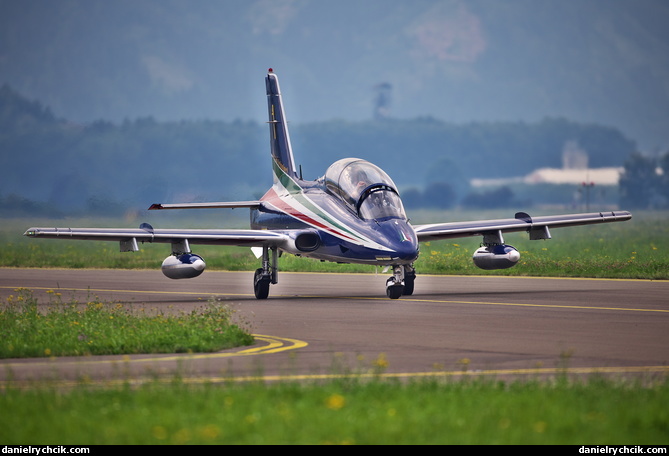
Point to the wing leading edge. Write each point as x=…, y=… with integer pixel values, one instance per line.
x=537, y=227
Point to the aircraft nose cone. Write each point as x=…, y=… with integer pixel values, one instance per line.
x=402, y=240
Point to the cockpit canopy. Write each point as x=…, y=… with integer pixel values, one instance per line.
x=365, y=188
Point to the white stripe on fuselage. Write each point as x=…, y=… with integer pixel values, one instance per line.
x=318, y=221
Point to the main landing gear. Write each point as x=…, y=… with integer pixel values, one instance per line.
x=266, y=275
x=401, y=283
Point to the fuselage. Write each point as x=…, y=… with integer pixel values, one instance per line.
x=368, y=228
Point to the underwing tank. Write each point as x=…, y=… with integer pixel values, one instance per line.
x=500, y=256
x=184, y=266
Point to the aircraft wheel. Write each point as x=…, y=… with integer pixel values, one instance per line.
x=393, y=289
x=261, y=284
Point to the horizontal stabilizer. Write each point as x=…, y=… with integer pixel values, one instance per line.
x=219, y=205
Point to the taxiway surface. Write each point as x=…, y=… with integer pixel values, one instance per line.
x=317, y=325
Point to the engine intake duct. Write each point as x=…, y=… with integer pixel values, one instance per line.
x=307, y=241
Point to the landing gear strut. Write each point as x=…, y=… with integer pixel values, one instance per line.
x=266, y=275
x=409, y=279
x=401, y=282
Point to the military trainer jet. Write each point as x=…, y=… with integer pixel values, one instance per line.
x=353, y=214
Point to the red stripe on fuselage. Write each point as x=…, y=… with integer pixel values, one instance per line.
x=274, y=199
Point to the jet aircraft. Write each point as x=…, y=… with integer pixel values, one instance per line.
x=353, y=214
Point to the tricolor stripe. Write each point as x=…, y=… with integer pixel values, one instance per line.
x=287, y=196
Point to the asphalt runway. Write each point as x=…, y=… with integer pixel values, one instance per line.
x=321, y=325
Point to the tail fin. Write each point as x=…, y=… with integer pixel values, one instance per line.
x=282, y=152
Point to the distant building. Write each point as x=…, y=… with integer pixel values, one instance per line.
x=598, y=176
x=573, y=157
x=574, y=171
x=383, y=94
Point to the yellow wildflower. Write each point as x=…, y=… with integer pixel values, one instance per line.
x=335, y=402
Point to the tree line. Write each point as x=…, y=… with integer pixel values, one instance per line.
x=51, y=165
x=645, y=182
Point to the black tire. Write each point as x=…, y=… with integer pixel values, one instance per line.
x=261, y=284
x=395, y=291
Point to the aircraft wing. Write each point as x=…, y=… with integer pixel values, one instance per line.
x=537, y=227
x=130, y=237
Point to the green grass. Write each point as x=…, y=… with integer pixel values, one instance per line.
x=592, y=412
x=58, y=328
x=636, y=249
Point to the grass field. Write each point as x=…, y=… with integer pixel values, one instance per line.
x=29, y=328
x=473, y=411
x=592, y=411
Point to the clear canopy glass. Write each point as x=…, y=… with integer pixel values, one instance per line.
x=366, y=188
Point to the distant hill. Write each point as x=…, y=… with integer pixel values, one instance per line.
x=110, y=166
x=593, y=61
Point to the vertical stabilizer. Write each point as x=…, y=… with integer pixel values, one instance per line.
x=282, y=152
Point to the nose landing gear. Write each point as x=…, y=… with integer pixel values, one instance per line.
x=402, y=281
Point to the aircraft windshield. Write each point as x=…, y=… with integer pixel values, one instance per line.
x=365, y=187
x=380, y=203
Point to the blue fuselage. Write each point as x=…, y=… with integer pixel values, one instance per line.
x=344, y=236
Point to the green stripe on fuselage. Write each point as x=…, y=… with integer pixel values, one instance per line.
x=295, y=191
